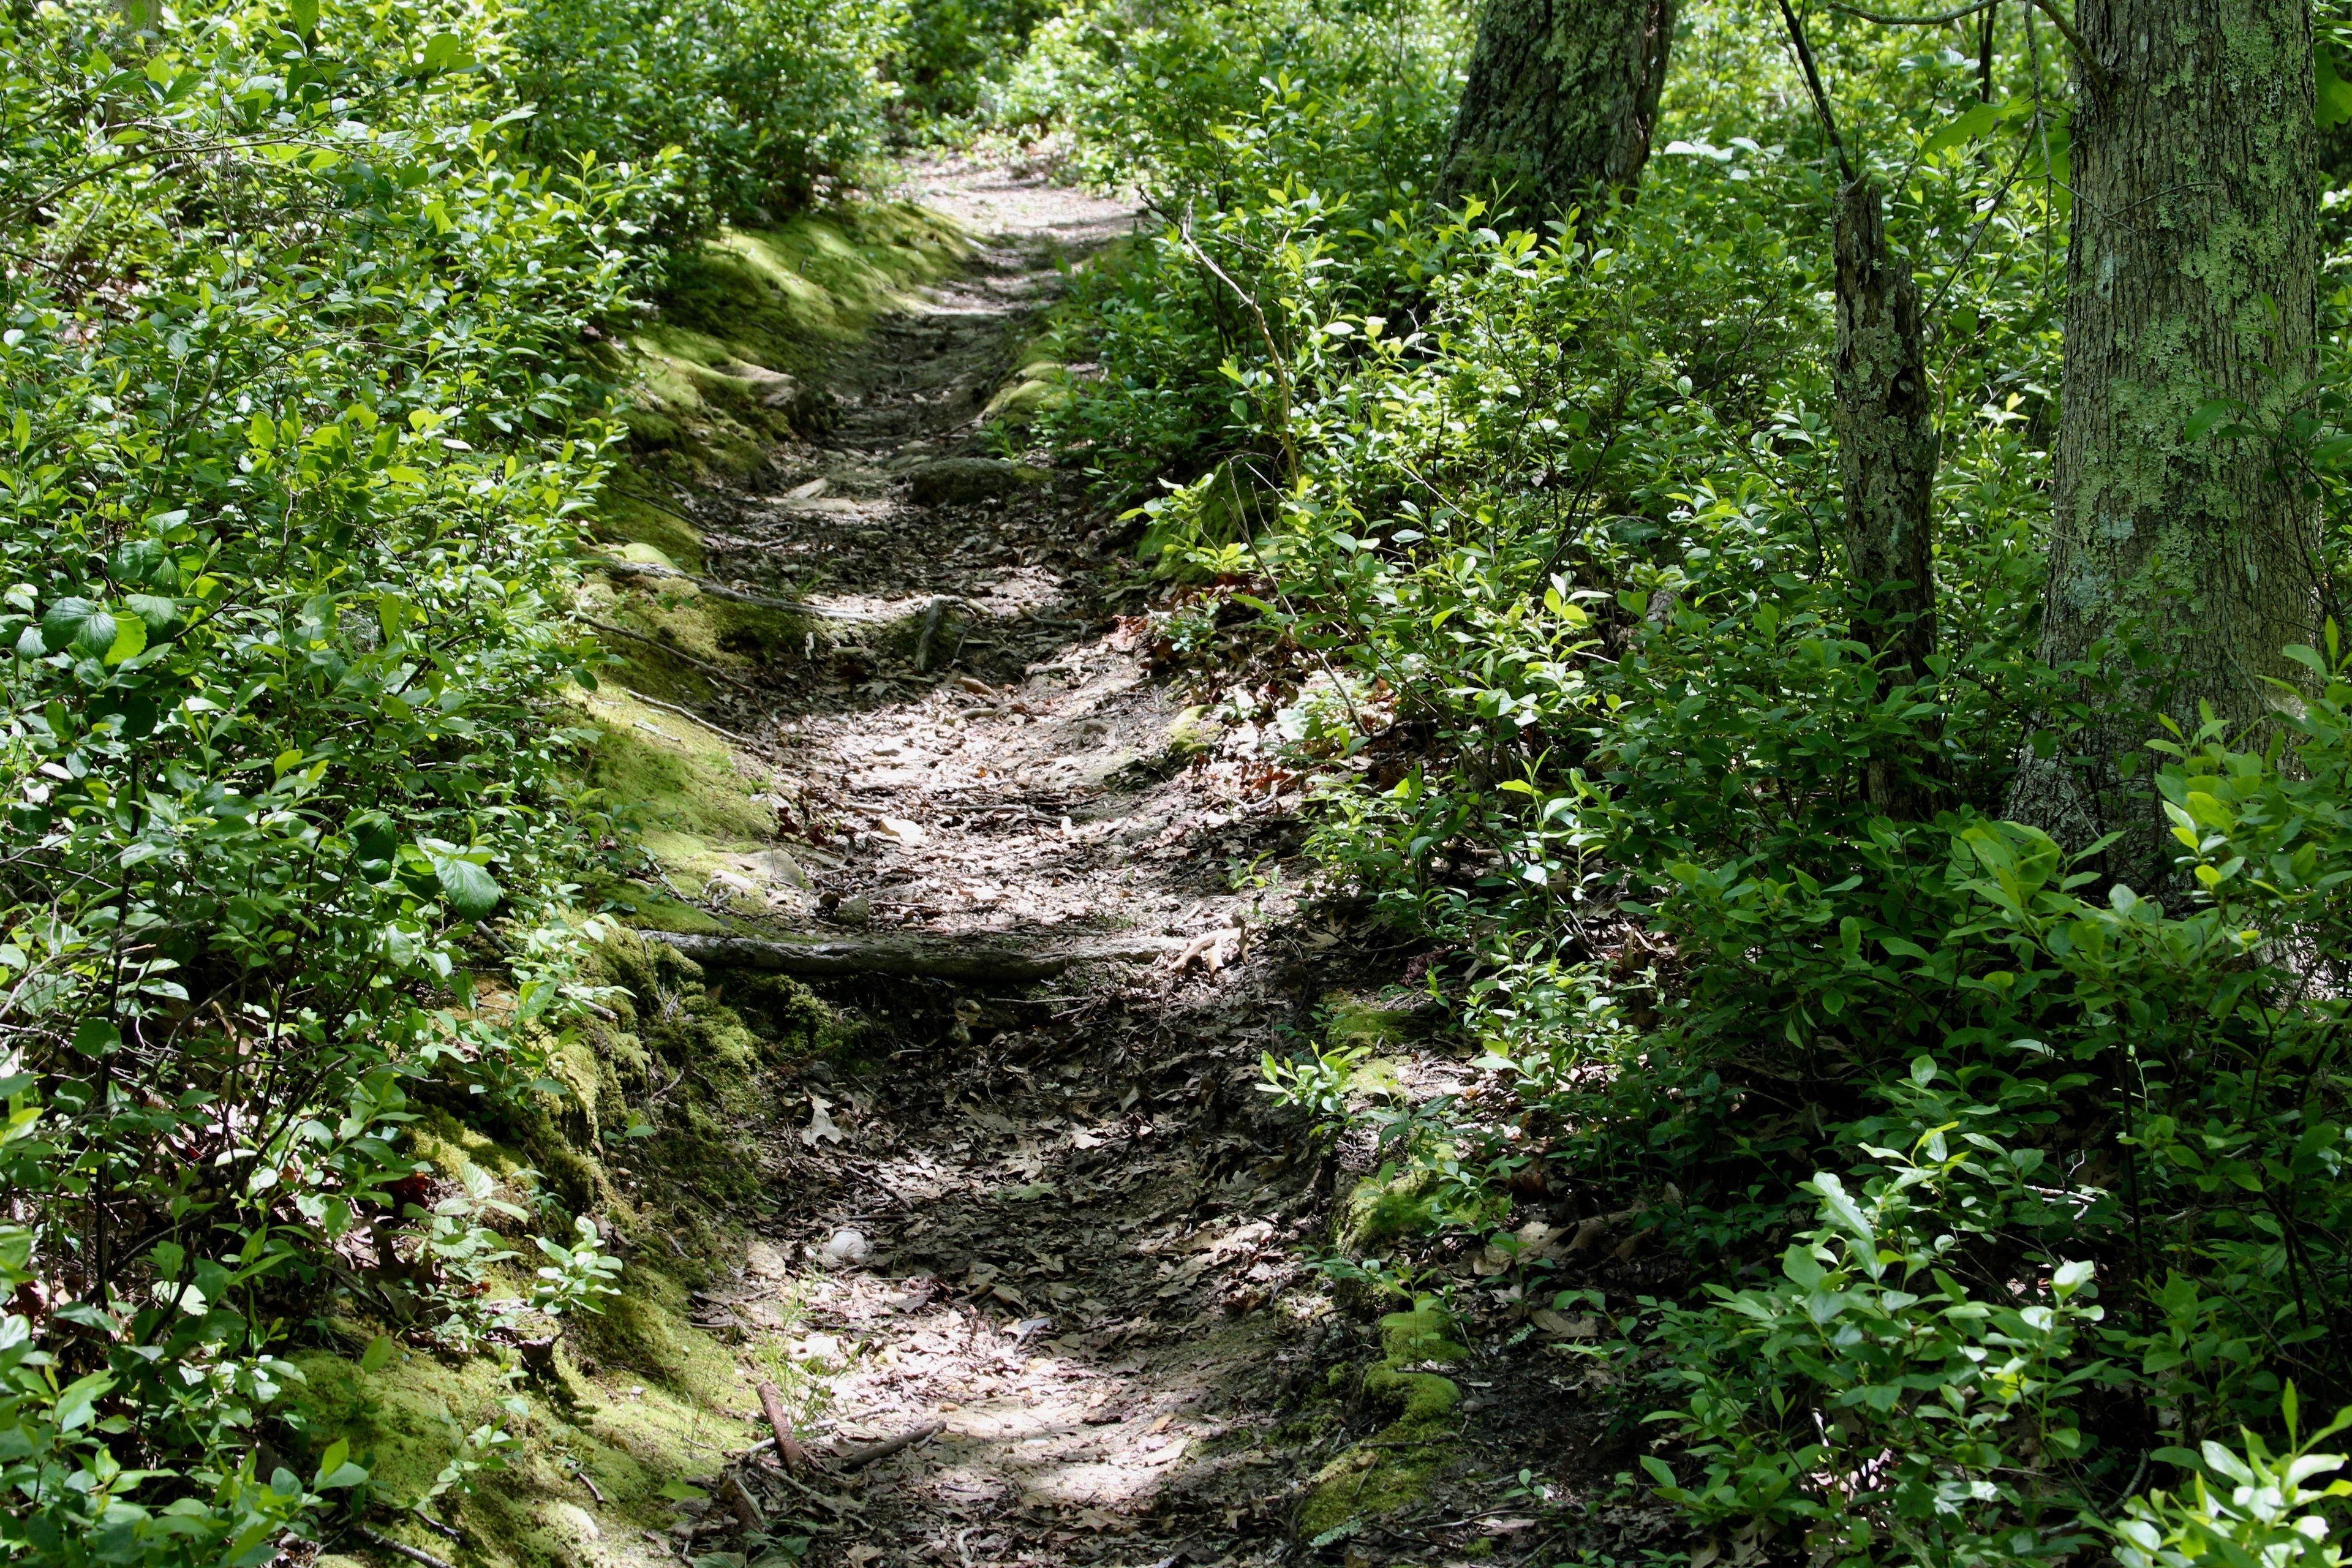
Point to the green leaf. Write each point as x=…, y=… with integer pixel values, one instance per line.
x=1977, y=120
x=2209, y=811
x=2209, y=414
x=1840, y=1209
x=335, y=1469
x=130, y=640
x=79, y=625
x=77, y=1404
x=2334, y=97
x=2222, y=1462
x=471, y=890
x=379, y=1354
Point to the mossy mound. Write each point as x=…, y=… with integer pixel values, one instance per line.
x=637, y=1396
x=735, y=358
x=629, y=1432
x=1394, y=1468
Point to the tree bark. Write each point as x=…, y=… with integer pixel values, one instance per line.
x=2191, y=276
x=1888, y=441
x=1559, y=100
x=1887, y=446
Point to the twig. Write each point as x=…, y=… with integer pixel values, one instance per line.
x=1813, y=84
x=866, y=1453
x=449, y=1530
x=745, y=1507
x=415, y=1554
x=2091, y=68
x=841, y=1507
x=1275, y=365
x=680, y=655
x=1936, y=21
x=685, y=712
x=771, y=1401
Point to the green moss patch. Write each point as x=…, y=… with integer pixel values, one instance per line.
x=675, y=776
x=1394, y=1468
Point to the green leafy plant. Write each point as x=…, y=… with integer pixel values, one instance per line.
x=2245, y=1506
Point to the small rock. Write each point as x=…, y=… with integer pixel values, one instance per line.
x=959, y=481
x=778, y=866
x=857, y=911
x=804, y=407
x=845, y=1246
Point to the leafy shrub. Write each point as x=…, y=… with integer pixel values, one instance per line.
x=952, y=58
x=2240, y=1508
x=293, y=458
x=768, y=104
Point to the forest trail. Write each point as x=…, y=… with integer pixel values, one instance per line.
x=1061, y=1227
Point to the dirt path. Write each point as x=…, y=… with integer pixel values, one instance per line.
x=1060, y=1222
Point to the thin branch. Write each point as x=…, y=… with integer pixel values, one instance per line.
x=1936, y=21
x=418, y=1555
x=1275, y=364
x=2049, y=8
x=705, y=666
x=2091, y=68
x=1813, y=84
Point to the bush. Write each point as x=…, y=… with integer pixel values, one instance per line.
x=770, y=104
x=1558, y=515
x=293, y=458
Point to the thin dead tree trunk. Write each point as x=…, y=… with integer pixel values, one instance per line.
x=1559, y=100
x=2191, y=277
x=1887, y=448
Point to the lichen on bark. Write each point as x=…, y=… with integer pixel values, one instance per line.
x=1559, y=101
x=1885, y=414
x=2191, y=280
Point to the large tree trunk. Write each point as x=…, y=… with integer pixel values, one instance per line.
x=1887, y=445
x=1559, y=100
x=2191, y=276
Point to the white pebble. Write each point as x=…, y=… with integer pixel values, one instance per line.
x=846, y=1246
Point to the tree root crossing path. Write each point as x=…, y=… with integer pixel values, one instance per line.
x=1055, y=1237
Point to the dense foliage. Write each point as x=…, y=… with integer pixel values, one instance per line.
x=292, y=458
x=1977, y=1207
x=763, y=104
x=1986, y=1184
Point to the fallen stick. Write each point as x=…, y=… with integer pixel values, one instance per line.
x=745, y=1507
x=771, y=1401
x=867, y=1453
x=841, y=1507
x=950, y=958
x=416, y=1554
x=688, y=713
